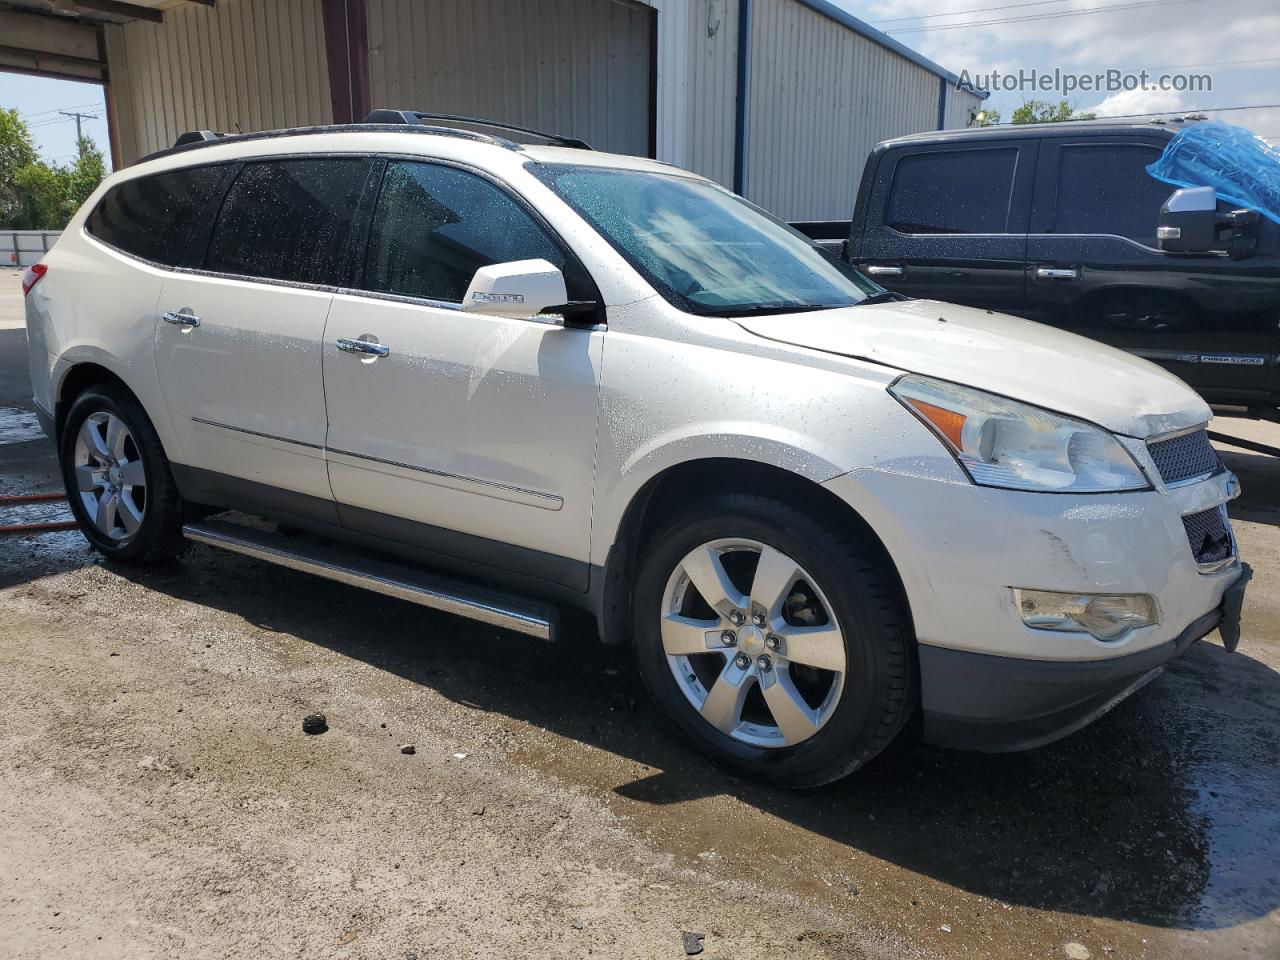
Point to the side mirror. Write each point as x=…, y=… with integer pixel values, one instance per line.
x=517, y=290
x=1189, y=221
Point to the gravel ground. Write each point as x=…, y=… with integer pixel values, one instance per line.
x=158, y=796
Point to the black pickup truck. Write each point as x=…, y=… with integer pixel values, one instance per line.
x=1060, y=223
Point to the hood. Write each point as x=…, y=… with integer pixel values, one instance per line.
x=1017, y=358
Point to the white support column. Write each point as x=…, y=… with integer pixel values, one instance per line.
x=673, y=80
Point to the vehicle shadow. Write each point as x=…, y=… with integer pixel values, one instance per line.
x=1121, y=820
x=1259, y=499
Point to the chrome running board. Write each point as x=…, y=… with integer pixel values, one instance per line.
x=333, y=563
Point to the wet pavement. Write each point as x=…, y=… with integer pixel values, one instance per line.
x=1155, y=832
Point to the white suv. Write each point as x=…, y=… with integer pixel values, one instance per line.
x=813, y=507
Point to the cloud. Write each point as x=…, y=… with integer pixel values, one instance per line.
x=1175, y=33
x=1130, y=102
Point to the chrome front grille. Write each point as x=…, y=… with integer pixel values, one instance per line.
x=1185, y=457
x=1209, y=534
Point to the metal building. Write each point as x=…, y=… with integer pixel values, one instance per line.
x=780, y=99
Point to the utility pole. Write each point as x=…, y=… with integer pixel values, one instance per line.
x=78, y=118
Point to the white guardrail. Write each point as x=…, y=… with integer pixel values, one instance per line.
x=22, y=248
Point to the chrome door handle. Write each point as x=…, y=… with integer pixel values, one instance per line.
x=182, y=318
x=1054, y=273
x=363, y=346
x=878, y=271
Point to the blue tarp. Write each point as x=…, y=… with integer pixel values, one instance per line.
x=1242, y=169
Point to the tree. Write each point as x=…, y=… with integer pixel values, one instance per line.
x=1041, y=111
x=85, y=173
x=986, y=117
x=16, y=153
x=42, y=199
x=35, y=195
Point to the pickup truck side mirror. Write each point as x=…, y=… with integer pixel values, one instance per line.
x=1190, y=223
x=518, y=290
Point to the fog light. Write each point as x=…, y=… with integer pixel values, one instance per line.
x=1104, y=616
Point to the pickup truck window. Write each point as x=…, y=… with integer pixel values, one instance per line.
x=704, y=249
x=952, y=191
x=435, y=226
x=1105, y=189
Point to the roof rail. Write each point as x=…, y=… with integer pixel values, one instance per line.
x=416, y=117
x=197, y=136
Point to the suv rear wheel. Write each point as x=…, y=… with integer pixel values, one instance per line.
x=774, y=643
x=117, y=478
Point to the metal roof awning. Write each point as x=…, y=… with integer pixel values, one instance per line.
x=61, y=38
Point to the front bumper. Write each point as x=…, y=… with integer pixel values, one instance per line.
x=996, y=704
x=987, y=679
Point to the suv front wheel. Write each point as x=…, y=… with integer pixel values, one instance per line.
x=117, y=478
x=776, y=644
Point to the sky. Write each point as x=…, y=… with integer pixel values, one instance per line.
x=39, y=99
x=1230, y=36
x=1234, y=41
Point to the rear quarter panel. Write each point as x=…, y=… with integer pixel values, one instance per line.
x=95, y=305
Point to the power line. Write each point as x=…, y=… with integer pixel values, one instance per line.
x=957, y=13
x=1113, y=8
x=74, y=106
x=1217, y=63
x=1186, y=110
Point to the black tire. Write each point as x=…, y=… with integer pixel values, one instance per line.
x=159, y=535
x=880, y=690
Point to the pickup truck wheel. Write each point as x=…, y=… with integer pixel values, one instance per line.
x=117, y=477
x=774, y=643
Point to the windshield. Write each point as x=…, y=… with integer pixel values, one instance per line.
x=706, y=250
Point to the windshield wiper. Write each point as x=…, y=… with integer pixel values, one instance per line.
x=884, y=296
x=780, y=307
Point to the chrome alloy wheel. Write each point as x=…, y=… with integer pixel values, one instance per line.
x=753, y=643
x=109, y=476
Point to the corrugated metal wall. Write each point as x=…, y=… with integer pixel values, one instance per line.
x=579, y=67
x=712, y=53
x=821, y=97
x=242, y=65
x=959, y=105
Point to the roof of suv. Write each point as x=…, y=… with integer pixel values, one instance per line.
x=1070, y=128
x=458, y=136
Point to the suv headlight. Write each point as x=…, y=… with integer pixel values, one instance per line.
x=1004, y=443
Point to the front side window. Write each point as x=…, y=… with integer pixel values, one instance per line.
x=706, y=250
x=952, y=191
x=288, y=220
x=151, y=217
x=1105, y=189
x=435, y=226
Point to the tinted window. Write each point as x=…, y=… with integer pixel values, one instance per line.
x=435, y=226
x=957, y=191
x=151, y=217
x=288, y=220
x=1106, y=189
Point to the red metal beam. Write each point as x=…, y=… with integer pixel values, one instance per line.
x=346, y=45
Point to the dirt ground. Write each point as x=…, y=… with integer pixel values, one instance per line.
x=158, y=797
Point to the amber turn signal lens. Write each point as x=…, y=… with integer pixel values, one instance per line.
x=949, y=423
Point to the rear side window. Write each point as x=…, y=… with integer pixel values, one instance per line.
x=435, y=226
x=152, y=217
x=1105, y=189
x=956, y=191
x=288, y=220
